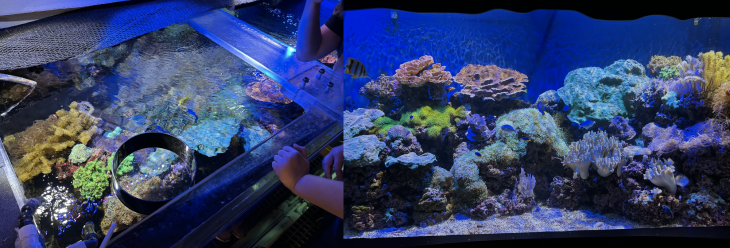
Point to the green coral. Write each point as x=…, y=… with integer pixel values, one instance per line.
x=80, y=153
x=433, y=119
x=669, y=72
x=124, y=167
x=91, y=180
x=113, y=135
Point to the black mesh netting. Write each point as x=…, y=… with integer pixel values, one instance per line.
x=82, y=31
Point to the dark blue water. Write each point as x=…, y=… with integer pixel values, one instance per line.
x=545, y=45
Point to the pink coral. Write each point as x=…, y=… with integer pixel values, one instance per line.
x=490, y=82
x=416, y=73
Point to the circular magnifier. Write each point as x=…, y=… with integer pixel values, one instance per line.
x=150, y=169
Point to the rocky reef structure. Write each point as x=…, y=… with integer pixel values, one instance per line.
x=115, y=211
x=383, y=93
x=620, y=128
x=599, y=94
x=605, y=153
x=360, y=120
x=401, y=141
x=210, y=137
x=37, y=149
x=489, y=83
x=267, y=90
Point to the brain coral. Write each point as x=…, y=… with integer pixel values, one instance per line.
x=600, y=94
x=489, y=82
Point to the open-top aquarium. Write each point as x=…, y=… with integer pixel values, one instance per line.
x=63, y=133
x=547, y=121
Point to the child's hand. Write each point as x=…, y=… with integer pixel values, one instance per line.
x=291, y=164
x=334, y=159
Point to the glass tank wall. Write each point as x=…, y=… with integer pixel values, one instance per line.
x=175, y=81
x=547, y=121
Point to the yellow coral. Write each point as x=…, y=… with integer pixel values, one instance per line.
x=717, y=71
x=721, y=100
x=658, y=62
x=66, y=129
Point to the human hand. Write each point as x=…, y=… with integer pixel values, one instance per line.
x=334, y=158
x=291, y=164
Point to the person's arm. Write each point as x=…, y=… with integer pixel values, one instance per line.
x=314, y=41
x=323, y=192
x=292, y=167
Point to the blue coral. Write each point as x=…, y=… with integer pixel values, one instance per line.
x=211, y=137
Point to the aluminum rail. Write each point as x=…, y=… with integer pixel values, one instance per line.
x=196, y=216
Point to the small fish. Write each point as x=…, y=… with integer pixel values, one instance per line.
x=681, y=180
x=411, y=117
x=508, y=128
x=541, y=108
x=394, y=112
x=478, y=154
x=190, y=111
x=450, y=88
x=566, y=108
x=471, y=135
x=600, y=128
x=355, y=68
x=587, y=124
x=526, y=139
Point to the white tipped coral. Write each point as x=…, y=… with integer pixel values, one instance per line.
x=661, y=173
x=597, y=148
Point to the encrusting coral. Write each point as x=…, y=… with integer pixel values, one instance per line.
x=41, y=144
x=416, y=73
x=79, y=154
x=657, y=63
x=360, y=120
x=434, y=120
x=661, y=173
x=489, y=82
x=598, y=149
x=267, y=90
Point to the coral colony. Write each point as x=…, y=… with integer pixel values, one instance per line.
x=646, y=144
x=213, y=101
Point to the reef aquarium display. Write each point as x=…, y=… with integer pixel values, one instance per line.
x=64, y=120
x=546, y=121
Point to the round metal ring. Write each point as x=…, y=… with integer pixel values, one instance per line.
x=142, y=141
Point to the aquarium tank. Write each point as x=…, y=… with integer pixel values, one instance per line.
x=63, y=121
x=547, y=121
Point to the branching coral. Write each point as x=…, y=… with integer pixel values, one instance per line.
x=416, y=73
x=597, y=148
x=41, y=151
x=490, y=82
x=661, y=173
x=657, y=63
x=721, y=100
x=91, y=179
x=433, y=119
x=384, y=91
